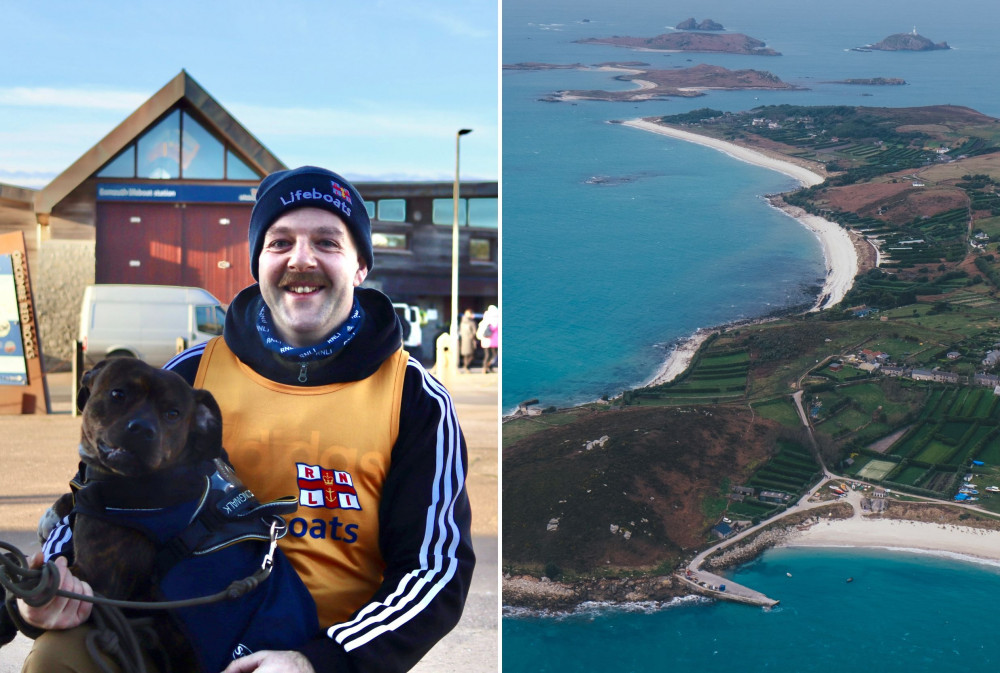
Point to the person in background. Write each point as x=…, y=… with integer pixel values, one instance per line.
x=467, y=337
x=489, y=336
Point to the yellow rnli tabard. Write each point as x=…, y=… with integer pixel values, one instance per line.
x=328, y=445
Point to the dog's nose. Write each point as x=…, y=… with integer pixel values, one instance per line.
x=142, y=427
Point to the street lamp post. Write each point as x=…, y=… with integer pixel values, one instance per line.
x=454, y=262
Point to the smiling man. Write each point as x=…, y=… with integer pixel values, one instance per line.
x=319, y=400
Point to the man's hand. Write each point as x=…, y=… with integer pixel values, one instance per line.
x=271, y=662
x=60, y=612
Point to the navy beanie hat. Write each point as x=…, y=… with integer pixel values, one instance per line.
x=309, y=187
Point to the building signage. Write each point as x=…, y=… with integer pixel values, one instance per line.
x=13, y=366
x=175, y=193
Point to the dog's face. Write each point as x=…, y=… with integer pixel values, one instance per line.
x=138, y=419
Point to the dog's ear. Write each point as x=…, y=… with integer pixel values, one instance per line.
x=205, y=439
x=85, y=384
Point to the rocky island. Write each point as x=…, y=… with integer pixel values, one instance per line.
x=678, y=83
x=905, y=42
x=691, y=24
x=730, y=43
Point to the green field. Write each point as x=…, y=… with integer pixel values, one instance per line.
x=781, y=409
x=909, y=475
x=713, y=377
x=876, y=469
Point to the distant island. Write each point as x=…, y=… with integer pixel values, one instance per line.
x=730, y=43
x=871, y=81
x=543, y=66
x=681, y=82
x=905, y=42
x=691, y=24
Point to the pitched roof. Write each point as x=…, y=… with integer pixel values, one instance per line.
x=182, y=87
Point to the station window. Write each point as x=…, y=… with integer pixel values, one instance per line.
x=237, y=170
x=178, y=146
x=484, y=213
x=392, y=210
x=122, y=166
x=444, y=211
x=202, y=156
x=480, y=250
x=159, y=150
x=385, y=241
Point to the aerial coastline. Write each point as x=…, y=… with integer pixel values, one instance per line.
x=606, y=537
x=839, y=250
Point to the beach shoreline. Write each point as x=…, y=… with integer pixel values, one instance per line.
x=873, y=532
x=839, y=252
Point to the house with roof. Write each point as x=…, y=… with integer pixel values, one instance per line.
x=935, y=375
x=984, y=379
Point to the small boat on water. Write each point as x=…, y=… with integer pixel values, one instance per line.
x=993, y=489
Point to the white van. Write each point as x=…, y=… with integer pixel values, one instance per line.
x=409, y=316
x=146, y=321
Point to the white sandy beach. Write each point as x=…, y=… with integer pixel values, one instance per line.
x=805, y=176
x=838, y=248
x=679, y=358
x=941, y=539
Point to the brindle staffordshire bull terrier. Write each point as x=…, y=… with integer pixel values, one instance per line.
x=159, y=513
x=138, y=421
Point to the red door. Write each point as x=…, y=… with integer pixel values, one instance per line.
x=198, y=245
x=216, y=249
x=139, y=243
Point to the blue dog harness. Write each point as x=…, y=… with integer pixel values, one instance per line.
x=207, y=535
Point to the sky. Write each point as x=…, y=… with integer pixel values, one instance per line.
x=373, y=90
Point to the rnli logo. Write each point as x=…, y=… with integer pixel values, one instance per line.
x=340, y=191
x=332, y=489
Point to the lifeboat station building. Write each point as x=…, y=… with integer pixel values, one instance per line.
x=165, y=199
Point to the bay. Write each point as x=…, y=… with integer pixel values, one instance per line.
x=618, y=243
x=902, y=612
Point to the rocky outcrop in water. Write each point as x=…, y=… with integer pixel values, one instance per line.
x=691, y=24
x=906, y=42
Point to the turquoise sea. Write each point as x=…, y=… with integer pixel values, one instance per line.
x=902, y=613
x=601, y=277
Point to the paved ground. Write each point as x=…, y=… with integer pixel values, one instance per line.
x=39, y=456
